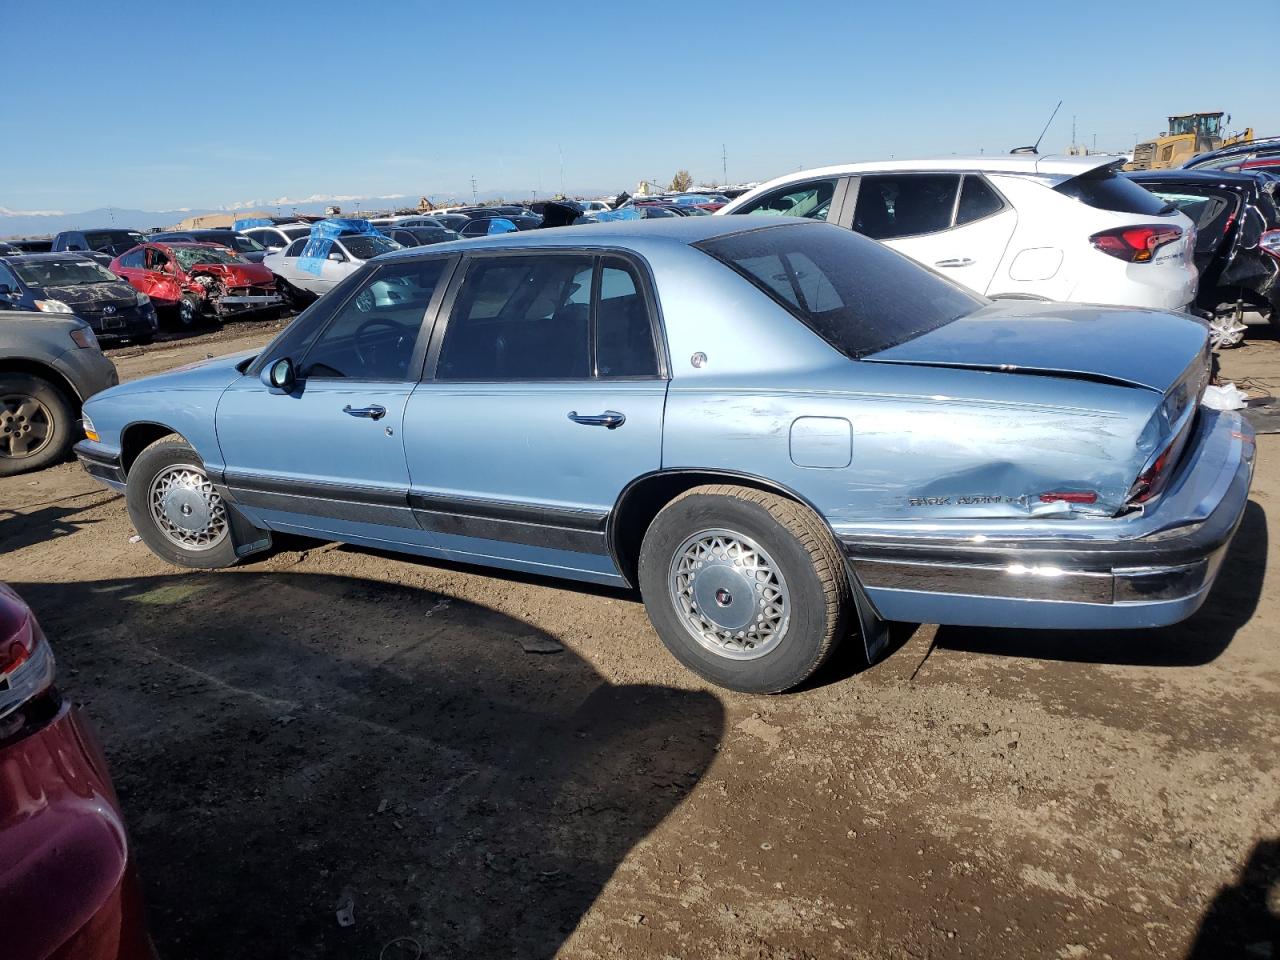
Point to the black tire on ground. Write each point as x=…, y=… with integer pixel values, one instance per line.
x=290, y=295
x=167, y=455
x=188, y=311
x=819, y=602
x=37, y=423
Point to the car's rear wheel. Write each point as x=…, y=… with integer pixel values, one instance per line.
x=37, y=423
x=175, y=508
x=745, y=588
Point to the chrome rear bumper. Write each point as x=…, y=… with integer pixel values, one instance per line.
x=1147, y=570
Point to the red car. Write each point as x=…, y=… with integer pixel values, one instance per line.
x=198, y=280
x=68, y=890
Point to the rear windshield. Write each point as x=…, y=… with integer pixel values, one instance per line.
x=1103, y=189
x=859, y=296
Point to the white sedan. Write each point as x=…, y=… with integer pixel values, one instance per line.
x=304, y=278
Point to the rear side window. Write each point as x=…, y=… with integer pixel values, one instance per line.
x=977, y=200
x=1105, y=190
x=857, y=295
x=905, y=205
x=295, y=248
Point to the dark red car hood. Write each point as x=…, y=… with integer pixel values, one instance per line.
x=234, y=274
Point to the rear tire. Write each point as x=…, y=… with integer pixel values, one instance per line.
x=745, y=588
x=37, y=423
x=175, y=509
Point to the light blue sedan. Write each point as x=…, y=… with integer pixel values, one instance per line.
x=783, y=435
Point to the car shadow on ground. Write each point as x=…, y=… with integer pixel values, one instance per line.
x=42, y=522
x=1243, y=920
x=1198, y=640
x=283, y=742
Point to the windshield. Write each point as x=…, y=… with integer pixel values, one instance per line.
x=61, y=273
x=247, y=244
x=188, y=257
x=859, y=296
x=367, y=247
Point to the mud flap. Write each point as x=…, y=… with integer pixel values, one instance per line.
x=875, y=632
x=248, y=538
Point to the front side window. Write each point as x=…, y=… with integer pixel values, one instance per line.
x=156, y=259
x=374, y=334
x=904, y=204
x=857, y=295
x=811, y=200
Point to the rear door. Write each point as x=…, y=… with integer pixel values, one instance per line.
x=956, y=224
x=544, y=400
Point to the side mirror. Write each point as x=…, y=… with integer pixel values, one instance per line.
x=337, y=257
x=279, y=376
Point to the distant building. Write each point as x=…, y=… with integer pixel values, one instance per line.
x=211, y=221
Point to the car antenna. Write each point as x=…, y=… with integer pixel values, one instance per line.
x=1034, y=148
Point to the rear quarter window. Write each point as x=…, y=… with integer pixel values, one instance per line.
x=858, y=295
x=1103, y=189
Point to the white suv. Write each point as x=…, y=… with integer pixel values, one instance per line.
x=1053, y=228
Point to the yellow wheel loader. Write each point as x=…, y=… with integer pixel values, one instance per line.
x=1189, y=134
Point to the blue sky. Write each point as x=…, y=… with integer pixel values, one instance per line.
x=203, y=106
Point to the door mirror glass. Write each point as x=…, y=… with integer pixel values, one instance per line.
x=279, y=375
x=336, y=257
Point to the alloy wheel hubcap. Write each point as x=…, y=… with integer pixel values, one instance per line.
x=26, y=426
x=729, y=594
x=186, y=508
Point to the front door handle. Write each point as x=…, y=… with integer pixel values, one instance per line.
x=954, y=262
x=610, y=418
x=373, y=412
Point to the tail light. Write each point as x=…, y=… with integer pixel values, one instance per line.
x=1153, y=479
x=26, y=662
x=1135, y=244
x=1269, y=242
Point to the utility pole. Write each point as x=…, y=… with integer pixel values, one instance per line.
x=561, y=150
x=1073, y=131
x=724, y=165
x=474, y=199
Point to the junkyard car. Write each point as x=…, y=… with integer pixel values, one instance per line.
x=50, y=364
x=302, y=278
x=68, y=885
x=1237, y=242
x=772, y=429
x=1049, y=228
x=247, y=247
x=110, y=240
x=198, y=280
x=72, y=283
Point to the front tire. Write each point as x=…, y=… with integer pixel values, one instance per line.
x=745, y=588
x=37, y=424
x=175, y=508
x=188, y=312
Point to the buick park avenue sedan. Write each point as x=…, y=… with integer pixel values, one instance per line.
x=784, y=435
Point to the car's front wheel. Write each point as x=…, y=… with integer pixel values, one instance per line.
x=175, y=508
x=37, y=423
x=745, y=588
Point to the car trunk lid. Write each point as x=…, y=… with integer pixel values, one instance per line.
x=1137, y=348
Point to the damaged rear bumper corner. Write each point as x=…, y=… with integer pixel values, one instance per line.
x=1158, y=572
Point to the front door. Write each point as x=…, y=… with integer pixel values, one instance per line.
x=546, y=401
x=327, y=459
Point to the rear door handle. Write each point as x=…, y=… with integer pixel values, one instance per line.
x=610, y=418
x=954, y=262
x=373, y=412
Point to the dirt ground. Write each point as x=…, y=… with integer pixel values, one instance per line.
x=334, y=725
